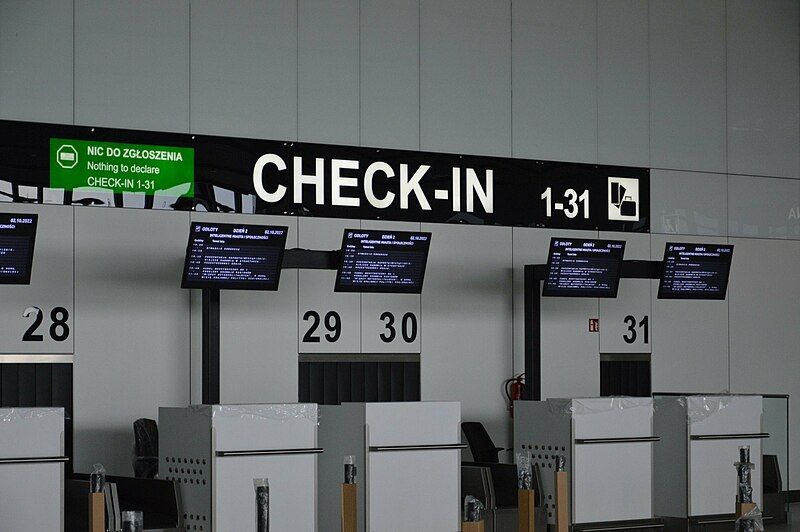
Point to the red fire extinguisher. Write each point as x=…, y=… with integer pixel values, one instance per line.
x=514, y=389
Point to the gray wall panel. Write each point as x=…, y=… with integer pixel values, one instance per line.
x=690, y=338
x=258, y=331
x=764, y=296
x=466, y=341
x=328, y=71
x=51, y=284
x=623, y=91
x=132, y=64
x=131, y=328
x=764, y=207
x=555, y=80
x=465, y=76
x=570, y=359
x=374, y=305
x=390, y=73
x=244, y=69
x=687, y=84
x=36, y=60
x=633, y=299
x=316, y=291
x=763, y=87
x=689, y=203
x=586, y=78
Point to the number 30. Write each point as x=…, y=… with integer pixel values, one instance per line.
x=408, y=329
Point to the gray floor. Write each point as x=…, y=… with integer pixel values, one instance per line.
x=793, y=524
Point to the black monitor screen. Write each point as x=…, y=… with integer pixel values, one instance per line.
x=583, y=268
x=234, y=256
x=382, y=261
x=695, y=271
x=17, y=237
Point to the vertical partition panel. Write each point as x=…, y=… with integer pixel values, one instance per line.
x=132, y=328
x=36, y=61
x=465, y=76
x=625, y=322
x=687, y=85
x=623, y=90
x=328, y=321
x=555, y=85
x=327, y=71
x=466, y=343
x=391, y=323
x=389, y=73
x=132, y=64
x=569, y=350
x=690, y=337
x=258, y=330
x=243, y=77
x=39, y=318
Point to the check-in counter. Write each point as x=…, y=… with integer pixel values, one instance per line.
x=607, y=445
x=694, y=460
x=408, y=457
x=32, y=469
x=215, y=452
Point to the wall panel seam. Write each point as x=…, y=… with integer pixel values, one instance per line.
x=725, y=82
x=649, y=89
x=297, y=82
x=189, y=85
x=360, y=76
x=513, y=312
x=419, y=74
x=726, y=173
x=73, y=70
x=597, y=81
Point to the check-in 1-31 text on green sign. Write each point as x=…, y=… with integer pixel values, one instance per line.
x=119, y=167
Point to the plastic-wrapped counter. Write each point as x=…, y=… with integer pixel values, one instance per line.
x=32, y=469
x=607, y=447
x=694, y=461
x=408, y=458
x=214, y=453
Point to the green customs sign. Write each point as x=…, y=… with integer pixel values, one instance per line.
x=142, y=168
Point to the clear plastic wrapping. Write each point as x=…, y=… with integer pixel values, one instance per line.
x=132, y=521
x=277, y=411
x=11, y=415
x=700, y=407
x=97, y=479
x=261, y=486
x=752, y=521
x=560, y=463
x=350, y=469
x=145, y=448
x=473, y=509
x=744, y=468
x=524, y=472
x=595, y=405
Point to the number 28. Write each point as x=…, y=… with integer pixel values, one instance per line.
x=59, y=329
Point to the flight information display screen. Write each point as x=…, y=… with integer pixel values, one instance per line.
x=234, y=256
x=382, y=261
x=17, y=237
x=583, y=268
x=695, y=271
